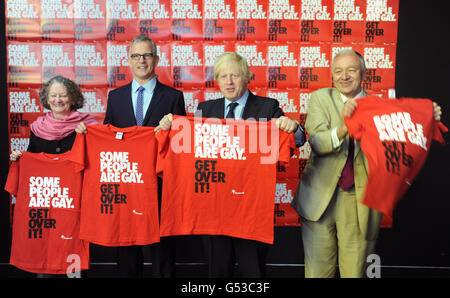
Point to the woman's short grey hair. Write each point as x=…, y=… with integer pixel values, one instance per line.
x=74, y=92
x=143, y=38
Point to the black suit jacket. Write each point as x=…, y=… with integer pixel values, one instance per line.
x=165, y=100
x=257, y=107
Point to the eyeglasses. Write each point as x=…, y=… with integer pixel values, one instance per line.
x=146, y=56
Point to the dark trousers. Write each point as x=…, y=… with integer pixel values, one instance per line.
x=223, y=251
x=130, y=259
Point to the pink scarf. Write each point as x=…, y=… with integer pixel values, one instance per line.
x=48, y=128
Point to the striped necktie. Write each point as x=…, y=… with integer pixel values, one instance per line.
x=231, y=107
x=140, y=106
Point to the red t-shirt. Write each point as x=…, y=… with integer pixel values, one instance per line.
x=120, y=192
x=219, y=177
x=46, y=220
x=395, y=137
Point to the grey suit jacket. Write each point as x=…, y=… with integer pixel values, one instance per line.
x=323, y=169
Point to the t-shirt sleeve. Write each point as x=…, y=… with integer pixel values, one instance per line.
x=163, y=139
x=78, y=152
x=12, y=182
x=287, y=146
x=439, y=129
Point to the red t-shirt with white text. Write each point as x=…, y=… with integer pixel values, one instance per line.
x=120, y=192
x=395, y=137
x=46, y=220
x=220, y=176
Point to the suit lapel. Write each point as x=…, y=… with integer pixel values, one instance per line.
x=250, y=109
x=358, y=144
x=217, y=110
x=128, y=103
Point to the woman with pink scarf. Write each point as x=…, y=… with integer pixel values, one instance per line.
x=54, y=132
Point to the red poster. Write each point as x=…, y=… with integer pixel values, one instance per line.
x=218, y=20
x=95, y=101
x=210, y=52
x=24, y=64
x=90, y=64
x=89, y=20
x=316, y=20
x=314, y=66
x=285, y=215
x=380, y=63
x=187, y=20
x=24, y=108
x=381, y=21
x=23, y=20
x=58, y=59
x=155, y=20
x=251, y=20
x=191, y=100
x=256, y=56
x=283, y=24
x=348, y=20
x=282, y=65
x=164, y=70
x=57, y=20
x=187, y=65
x=119, y=72
x=211, y=94
x=122, y=19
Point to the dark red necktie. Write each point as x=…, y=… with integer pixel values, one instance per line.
x=347, y=179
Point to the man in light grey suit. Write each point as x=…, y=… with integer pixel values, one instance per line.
x=336, y=227
x=334, y=222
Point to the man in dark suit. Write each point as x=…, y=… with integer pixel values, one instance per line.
x=144, y=102
x=233, y=76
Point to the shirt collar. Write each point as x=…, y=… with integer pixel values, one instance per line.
x=149, y=86
x=360, y=94
x=241, y=101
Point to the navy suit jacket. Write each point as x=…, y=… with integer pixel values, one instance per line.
x=165, y=100
x=257, y=107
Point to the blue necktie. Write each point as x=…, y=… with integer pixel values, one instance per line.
x=231, y=107
x=140, y=106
